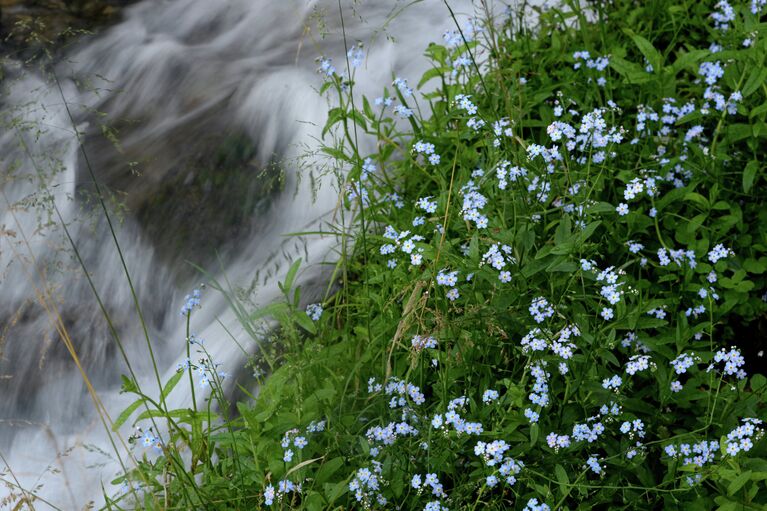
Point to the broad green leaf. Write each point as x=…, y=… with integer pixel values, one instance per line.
x=755, y=80
x=648, y=50
x=738, y=482
x=305, y=322
x=689, y=60
x=749, y=175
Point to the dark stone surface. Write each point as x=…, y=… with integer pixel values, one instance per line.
x=33, y=28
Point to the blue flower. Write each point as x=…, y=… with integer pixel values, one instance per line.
x=593, y=464
x=191, y=302
x=314, y=311
x=269, y=495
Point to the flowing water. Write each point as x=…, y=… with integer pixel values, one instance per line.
x=208, y=104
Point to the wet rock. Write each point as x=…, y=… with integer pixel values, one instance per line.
x=34, y=28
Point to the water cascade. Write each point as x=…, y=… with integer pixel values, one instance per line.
x=210, y=105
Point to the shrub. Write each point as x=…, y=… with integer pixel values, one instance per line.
x=543, y=292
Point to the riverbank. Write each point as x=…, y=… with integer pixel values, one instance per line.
x=549, y=249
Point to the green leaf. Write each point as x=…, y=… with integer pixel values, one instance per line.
x=429, y=75
x=755, y=80
x=338, y=154
x=333, y=491
x=305, y=322
x=128, y=385
x=276, y=310
x=564, y=481
x=758, y=381
x=562, y=266
x=632, y=72
x=648, y=50
x=291, y=276
x=564, y=229
x=738, y=482
x=737, y=132
x=689, y=60
x=301, y=465
x=334, y=116
x=172, y=382
x=367, y=109
x=126, y=414
x=697, y=199
x=585, y=234
x=176, y=414
x=328, y=469
x=749, y=175
x=758, y=110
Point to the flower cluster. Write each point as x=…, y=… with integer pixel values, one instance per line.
x=639, y=363
x=405, y=241
x=431, y=481
x=473, y=202
x=366, y=485
x=540, y=309
x=314, y=311
x=505, y=172
x=742, y=438
x=498, y=256
x=291, y=438
x=452, y=418
x=283, y=488
x=419, y=343
x=191, y=302
x=401, y=391
x=697, y=454
x=427, y=150
x=733, y=362
x=493, y=454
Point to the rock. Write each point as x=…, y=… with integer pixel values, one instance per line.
x=33, y=28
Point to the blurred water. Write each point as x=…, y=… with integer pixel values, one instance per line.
x=176, y=78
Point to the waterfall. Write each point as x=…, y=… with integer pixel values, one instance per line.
x=209, y=101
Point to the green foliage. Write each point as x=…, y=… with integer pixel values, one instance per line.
x=556, y=224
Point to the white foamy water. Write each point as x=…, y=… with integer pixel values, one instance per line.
x=170, y=74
